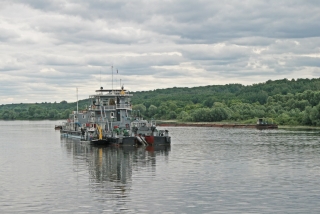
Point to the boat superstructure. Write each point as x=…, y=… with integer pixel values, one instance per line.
x=108, y=119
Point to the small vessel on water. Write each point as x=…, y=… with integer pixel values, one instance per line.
x=57, y=127
x=108, y=120
x=263, y=123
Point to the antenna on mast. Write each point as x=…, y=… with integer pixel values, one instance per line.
x=112, y=76
x=117, y=76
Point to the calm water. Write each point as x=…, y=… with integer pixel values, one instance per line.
x=206, y=170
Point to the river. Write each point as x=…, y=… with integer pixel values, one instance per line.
x=205, y=170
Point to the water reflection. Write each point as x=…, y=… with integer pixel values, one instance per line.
x=111, y=169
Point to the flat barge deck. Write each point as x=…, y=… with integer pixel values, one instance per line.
x=257, y=126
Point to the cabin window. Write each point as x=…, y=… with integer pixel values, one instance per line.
x=112, y=114
x=83, y=116
x=112, y=102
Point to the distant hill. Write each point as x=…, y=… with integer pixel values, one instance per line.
x=286, y=101
x=250, y=94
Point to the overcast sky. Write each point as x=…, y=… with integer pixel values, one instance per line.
x=48, y=48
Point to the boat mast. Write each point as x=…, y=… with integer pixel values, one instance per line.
x=112, y=76
x=77, y=101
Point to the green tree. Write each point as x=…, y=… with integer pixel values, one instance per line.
x=152, y=111
x=172, y=115
x=140, y=109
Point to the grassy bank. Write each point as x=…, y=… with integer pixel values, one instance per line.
x=246, y=122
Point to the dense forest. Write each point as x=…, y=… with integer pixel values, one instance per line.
x=286, y=102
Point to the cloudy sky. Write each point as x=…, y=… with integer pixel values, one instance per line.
x=48, y=48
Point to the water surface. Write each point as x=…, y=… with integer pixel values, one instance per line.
x=205, y=170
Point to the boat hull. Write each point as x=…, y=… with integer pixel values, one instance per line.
x=100, y=142
x=133, y=141
x=124, y=141
x=75, y=135
x=266, y=126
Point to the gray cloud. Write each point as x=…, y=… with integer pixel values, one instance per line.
x=50, y=47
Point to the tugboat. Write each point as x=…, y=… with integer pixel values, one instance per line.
x=265, y=124
x=109, y=120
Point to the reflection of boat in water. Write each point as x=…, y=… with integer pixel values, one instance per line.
x=115, y=165
x=108, y=120
x=118, y=164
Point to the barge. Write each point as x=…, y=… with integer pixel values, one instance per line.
x=261, y=124
x=109, y=120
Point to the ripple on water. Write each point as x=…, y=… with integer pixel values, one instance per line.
x=205, y=170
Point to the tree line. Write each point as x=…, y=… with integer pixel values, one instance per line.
x=39, y=111
x=287, y=102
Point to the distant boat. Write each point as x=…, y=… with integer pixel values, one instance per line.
x=57, y=127
x=265, y=124
x=109, y=120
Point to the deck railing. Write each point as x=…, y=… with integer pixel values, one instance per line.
x=118, y=106
x=113, y=107
x=125, y=106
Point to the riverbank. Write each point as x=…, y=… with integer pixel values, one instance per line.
x=229, y=124
x=299, y=127
x=221, y=125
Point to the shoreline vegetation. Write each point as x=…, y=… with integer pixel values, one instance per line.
x=287, y=103
x=174, y=122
